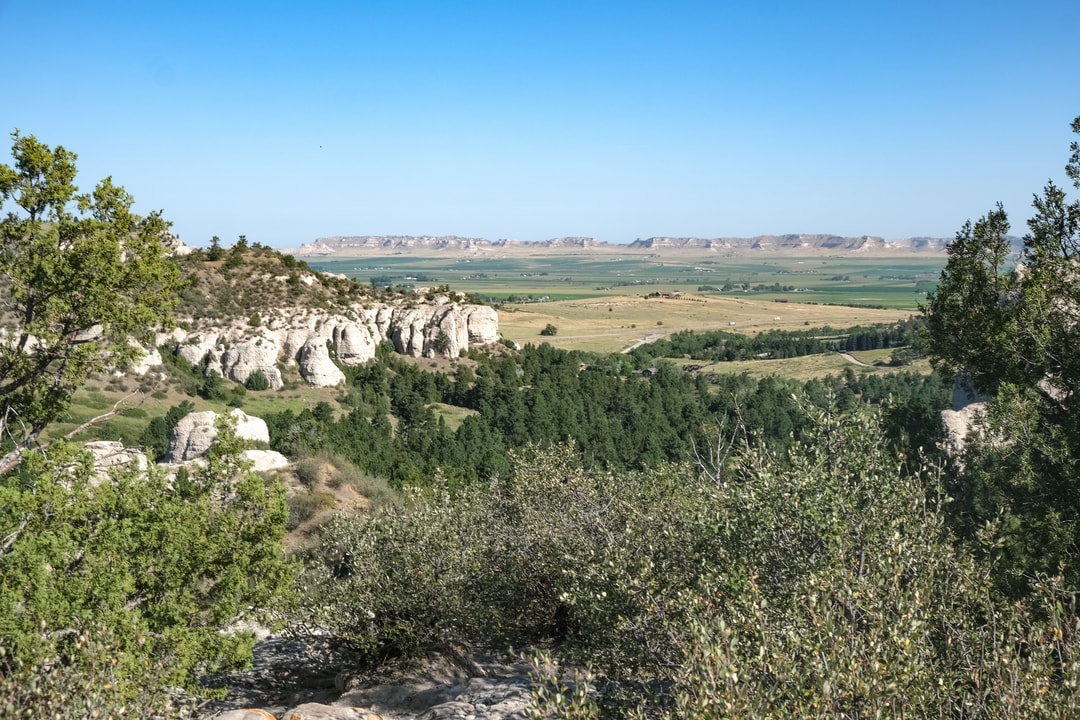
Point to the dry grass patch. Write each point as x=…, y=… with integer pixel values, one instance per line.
x=807, y=367
x=614, y=323
x=452, y=414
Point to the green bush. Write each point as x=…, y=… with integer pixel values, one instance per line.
x=162, y=566
x=83, y=683
x=818, y=583
x=375, y=489
x=258, y=381
x=309, y=471
x=304, y=506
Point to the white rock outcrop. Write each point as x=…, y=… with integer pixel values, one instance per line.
x=316, y=340
x=196, y=432
x=109, y=454
x=242, y=360
x=266, y=460
x=967, y=412
x=316, y=367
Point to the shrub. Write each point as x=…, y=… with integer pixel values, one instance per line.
x=375, y=489
x=304, y=506
x=258, y=381
x=822, y=582
x=159, y=566
x=82, y=682
x=309, y=471
x=549, y=330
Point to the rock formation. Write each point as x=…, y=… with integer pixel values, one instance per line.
x=196, y=432
x=287, y=682
x=316, y=366
x=315, y=339
x=349, y=245
x=968, y=409
x=109, y=454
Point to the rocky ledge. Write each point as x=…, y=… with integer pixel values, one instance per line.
x=313, y=340
x=304, y=679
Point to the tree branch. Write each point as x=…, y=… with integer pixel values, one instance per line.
x=12, y=459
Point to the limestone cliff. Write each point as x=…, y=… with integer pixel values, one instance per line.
x=313, y=339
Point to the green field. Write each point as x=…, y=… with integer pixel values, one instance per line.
x=606, y=302
x=898, y=282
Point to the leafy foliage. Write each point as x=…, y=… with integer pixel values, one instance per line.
x=1012, y=333
x=258, y=381
x=162, y=565
x=85, y=284
x=81, y=681
x=616, y=417
x=819, y=582
x=718, y=345
x=112, y=589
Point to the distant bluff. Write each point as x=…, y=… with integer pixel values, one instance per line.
x=358, y=244
x=831, y=243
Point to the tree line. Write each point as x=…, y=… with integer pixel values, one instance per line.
x=723, y=346
x=618, y=418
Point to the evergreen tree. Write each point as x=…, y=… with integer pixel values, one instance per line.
x=86, y=282
x=1013, y=334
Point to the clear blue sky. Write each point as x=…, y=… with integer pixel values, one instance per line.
x=532, y=120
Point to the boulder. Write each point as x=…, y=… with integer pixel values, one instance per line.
x=196, y=432
x=316, y=367
x=109, y=454
x=266, y=460
x=243, y=359
x=968, y=409
x=194, y=347
x=483, y=324
x=408, y=332
x=958, y=424
x=317, y=711
x=245, y=715
x=149, y=360
x=355, y=343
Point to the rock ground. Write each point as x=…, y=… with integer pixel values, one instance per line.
x=311, y=679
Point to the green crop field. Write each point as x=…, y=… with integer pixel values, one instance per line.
x=600, y=301
x=892, y=282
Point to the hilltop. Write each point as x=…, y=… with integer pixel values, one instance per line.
x=247, y=312
x=352, y=245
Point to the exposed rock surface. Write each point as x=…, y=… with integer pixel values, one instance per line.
x=196, y=432
x=314, y=339
x=447, y=686
x=316, y=367
x=266, y=460
x=301, y=679
x=109, y=454
x=968, y=409
x=242, y=360
x=345, y=245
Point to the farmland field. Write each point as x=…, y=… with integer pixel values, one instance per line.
x=599, y=301
x=892, y=281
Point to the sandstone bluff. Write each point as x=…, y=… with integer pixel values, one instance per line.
x=314, y=339
x=346, y=245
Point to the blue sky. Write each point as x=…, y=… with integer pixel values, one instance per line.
x=532, y=120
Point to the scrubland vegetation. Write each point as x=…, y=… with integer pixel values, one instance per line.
x=695, y=545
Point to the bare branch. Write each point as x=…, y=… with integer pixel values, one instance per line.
x=13, y=458
x=10, y=539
